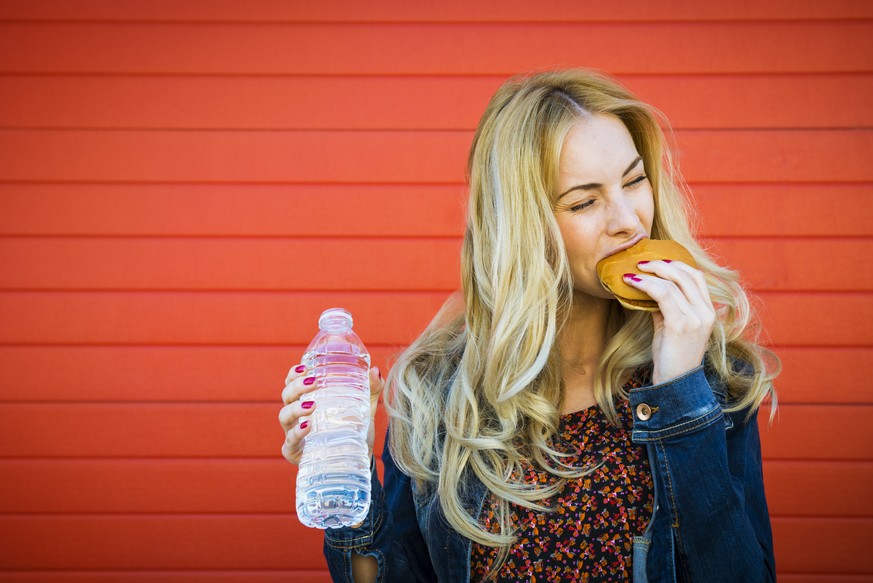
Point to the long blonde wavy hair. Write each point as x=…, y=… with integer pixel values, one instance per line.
x=480, y=390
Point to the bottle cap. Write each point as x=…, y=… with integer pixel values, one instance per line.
x=335, y=320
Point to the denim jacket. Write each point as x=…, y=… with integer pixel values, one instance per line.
x=709, y=523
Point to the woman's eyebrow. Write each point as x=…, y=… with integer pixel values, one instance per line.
x=593, y=185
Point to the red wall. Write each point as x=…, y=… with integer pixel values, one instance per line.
x=184, y=186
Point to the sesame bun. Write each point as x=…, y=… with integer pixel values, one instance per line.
x=611, y=270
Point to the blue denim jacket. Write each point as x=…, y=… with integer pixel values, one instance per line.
x=710, y=521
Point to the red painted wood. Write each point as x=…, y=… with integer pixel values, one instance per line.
x=182, y=576
x=417, y=210
x=262, y=542
x=847, y=427
x=790, y=484
x=288, y=210
x=205, y=147
x=282, y=318
x=450, y=11
x=443, y=103
x=155, y=373
x=256, y=373
x=363, y=264
x=785, y=210
x=341, y=156
x=252, y=430
x=153, y=542
x=819, y=577
x=225, y=264
x=839, y=545
x=169, y=318
x=165, y=486
x=434, y=49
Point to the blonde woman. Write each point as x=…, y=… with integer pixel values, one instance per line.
x=538, y=430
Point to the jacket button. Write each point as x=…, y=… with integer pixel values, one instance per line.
x=644, y=412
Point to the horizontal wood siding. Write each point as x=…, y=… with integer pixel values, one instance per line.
x=184, y=186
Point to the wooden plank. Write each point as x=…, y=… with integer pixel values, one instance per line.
x=840, y=545
x=299, y=210
x=223, y=486
x=159, y=542
x=819, y=577
x=434, y=49
x=450, y=11
x=325, y=264
x=392, y=157
x=268, y=542
x=227, y=264
x=154, y=373
x=823, y=375
x=820, y=319
x=770, y=101
x=233, y=156
x=75, y=430
x=848, y=435
x=798, y=264
x=187, y=576
x=816, y=375
x=781, y=210
x=227, y=209
x=390, y=318
x=279, y=318
x=443, y=103
x=789, y=486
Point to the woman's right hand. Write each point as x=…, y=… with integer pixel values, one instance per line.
x=298, y=384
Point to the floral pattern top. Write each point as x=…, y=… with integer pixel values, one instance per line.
x=588, y=536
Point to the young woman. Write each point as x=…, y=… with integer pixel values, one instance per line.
x=539, y=431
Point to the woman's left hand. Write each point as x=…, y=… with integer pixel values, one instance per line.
x=685, y=320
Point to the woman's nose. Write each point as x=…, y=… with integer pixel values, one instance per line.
x=623, y=216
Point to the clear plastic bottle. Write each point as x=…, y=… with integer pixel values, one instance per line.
x=333, y=477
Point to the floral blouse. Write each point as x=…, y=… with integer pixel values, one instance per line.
x=589, y=534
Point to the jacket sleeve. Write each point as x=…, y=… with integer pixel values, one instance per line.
x=710, y=466
x=390, y=533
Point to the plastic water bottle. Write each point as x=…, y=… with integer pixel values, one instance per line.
x=333, y=477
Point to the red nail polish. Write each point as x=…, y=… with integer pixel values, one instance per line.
x=304, y=425
x=300, y=368
x=629, y=275
x=642, y=262
x=668, y=261
x=307, y=404
x=308, y=380
x=635, y=278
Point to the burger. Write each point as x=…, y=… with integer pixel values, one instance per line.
x=611, y=270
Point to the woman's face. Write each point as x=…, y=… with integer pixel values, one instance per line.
x=605, y=201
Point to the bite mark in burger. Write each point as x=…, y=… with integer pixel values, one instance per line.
x=611, y=270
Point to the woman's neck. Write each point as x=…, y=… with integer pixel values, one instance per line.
x=581, y=344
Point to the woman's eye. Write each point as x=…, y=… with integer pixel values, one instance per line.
x=637, y=180
x=581, y=206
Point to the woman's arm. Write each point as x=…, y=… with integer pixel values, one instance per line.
x=711, y=473
x=364, y=568
x=388, y=545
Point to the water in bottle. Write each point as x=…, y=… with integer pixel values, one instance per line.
x=333, y=477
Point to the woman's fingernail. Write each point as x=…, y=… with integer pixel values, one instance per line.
x=668, y=261
x=630, y=275
x=642, y=262
x=635, y=278
x=307, y=404
x=300, y=368
x=308, y=380
x=304, y=425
